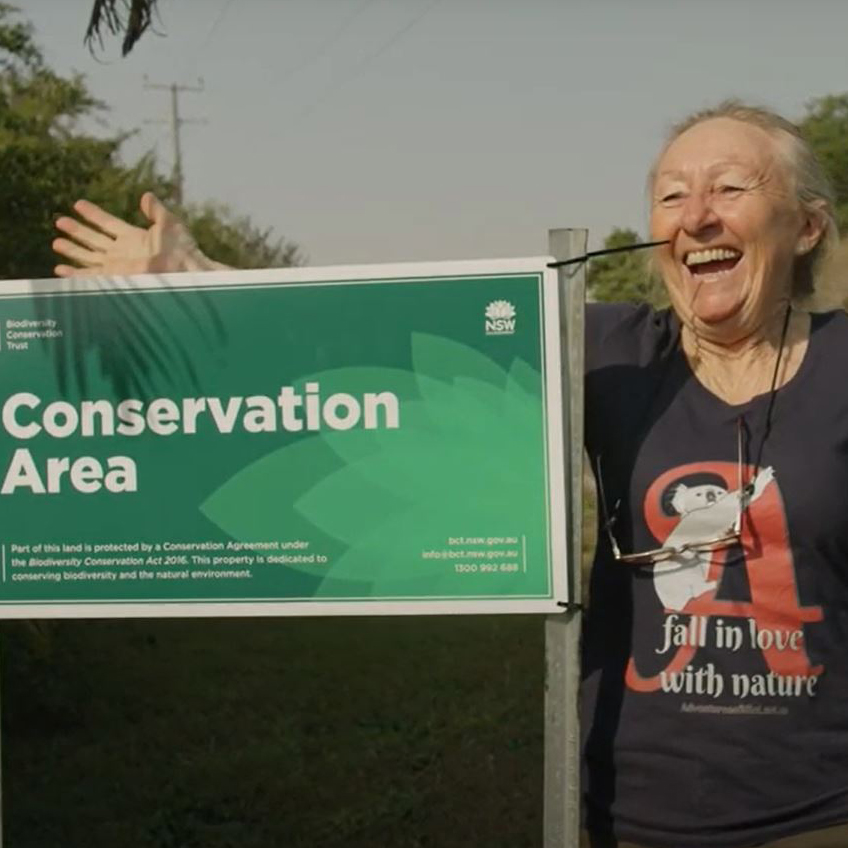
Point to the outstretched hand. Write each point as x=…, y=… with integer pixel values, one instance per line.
x=106, y=245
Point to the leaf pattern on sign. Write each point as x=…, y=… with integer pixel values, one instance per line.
x=466, y=456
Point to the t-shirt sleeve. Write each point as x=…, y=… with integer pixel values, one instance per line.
x=624, y=345
x=623, y=334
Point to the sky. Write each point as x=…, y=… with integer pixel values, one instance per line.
x=395, y=130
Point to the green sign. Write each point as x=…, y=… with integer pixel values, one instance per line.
x=382, y=439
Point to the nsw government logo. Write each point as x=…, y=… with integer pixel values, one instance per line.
x=500, y=318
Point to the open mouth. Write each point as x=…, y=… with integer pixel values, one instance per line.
x=715, y=260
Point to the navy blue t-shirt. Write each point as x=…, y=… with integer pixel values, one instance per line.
x=715, y=692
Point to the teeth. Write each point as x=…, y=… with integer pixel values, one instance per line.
x=697, y=257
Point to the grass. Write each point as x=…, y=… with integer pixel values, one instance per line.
x=267, y=733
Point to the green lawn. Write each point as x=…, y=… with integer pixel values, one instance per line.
x=270, y=733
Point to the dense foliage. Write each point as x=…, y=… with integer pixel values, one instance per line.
x=825, y=126
x=624, y=277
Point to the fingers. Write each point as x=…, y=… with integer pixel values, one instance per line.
x=77, y=253
x=71, y=271
x=101, y=219
x=84, y=235
x=154, y=210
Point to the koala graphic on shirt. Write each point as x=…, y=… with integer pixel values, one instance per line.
x=707, y=512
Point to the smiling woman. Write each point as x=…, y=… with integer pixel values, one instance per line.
x=715, y=684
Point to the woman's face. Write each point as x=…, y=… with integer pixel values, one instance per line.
x=724, y=200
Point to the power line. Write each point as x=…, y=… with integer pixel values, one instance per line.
x=176, y=121
x=363, y=64
x=219, y=17
x=325, y=46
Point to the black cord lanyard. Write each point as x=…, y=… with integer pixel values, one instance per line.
x=773, y=390
x=605, y=252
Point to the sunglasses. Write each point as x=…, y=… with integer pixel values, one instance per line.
x=730, y=537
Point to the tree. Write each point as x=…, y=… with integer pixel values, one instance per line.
x=130, y=17
x=624, y=277
x=236, y=240
x=825, y=126
x=47, y=163
x=44, y=163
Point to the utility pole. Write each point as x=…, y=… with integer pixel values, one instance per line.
x=176, y=123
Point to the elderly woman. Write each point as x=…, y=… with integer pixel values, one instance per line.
x=715, y=681
x=716, y=684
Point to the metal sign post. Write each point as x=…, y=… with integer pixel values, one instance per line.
x=562, y=632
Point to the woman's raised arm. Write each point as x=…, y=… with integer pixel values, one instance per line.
x=100, y=243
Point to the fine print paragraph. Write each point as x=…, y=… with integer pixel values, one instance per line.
x=59, y=562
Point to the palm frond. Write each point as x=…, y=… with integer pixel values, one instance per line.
x=128, y=17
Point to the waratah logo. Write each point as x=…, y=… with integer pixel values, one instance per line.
x=500, y=318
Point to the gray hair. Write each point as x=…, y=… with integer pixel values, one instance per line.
x=813, y=188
